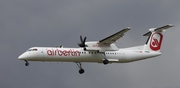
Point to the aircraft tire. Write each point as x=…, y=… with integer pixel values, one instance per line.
x=26, y=64
x=105, y=62
x=81, y=71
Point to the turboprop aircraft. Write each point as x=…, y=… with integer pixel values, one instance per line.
x=104, y=51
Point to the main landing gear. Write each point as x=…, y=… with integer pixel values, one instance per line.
x=27, y=63
x=105, y=61
x=81, y=70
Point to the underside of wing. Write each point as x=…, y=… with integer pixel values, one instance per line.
x=113, y=38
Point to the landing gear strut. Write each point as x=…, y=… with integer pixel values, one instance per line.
x=81, y=70
x=27, y=63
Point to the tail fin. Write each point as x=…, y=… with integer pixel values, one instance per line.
x=155, y=38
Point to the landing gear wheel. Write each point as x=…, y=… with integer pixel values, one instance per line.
x=27, y=63
x=81, y=71
x=105, y=62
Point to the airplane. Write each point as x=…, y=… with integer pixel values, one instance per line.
x=104, y=51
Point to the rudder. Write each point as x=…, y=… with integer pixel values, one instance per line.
x=155, y=38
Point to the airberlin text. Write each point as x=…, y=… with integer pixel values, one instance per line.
x=58, y=52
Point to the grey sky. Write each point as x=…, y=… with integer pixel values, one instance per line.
x=28, y=23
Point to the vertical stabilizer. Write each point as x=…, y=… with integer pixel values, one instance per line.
x=155, y=38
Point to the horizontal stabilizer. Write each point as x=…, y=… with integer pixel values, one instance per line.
x=160, y=29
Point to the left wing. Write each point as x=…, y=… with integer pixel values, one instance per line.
x=113, y=38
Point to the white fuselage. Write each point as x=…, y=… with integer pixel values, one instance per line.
x=56, y=54
x=104, y=51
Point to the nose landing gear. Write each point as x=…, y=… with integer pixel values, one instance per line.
x=27, y=63
x=81, y=71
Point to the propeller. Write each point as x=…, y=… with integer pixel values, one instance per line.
x=82, y=44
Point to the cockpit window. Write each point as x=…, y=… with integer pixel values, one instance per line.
x=32, y=50
x=29, y=50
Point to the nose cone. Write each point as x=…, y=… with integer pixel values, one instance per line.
x=22, y=57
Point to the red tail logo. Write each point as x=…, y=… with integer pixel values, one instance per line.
x=156, y=40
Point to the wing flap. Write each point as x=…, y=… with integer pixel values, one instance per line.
x=113, y=38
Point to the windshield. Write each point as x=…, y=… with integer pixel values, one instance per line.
x=32, y=50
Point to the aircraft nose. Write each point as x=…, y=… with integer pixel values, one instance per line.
x=22, y=57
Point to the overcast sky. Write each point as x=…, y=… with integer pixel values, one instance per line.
x=28, y=23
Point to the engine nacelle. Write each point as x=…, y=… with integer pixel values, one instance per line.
x=95, y=46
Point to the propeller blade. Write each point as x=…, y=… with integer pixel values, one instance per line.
x=82, y=44
x=81, y=38
x=84, y=40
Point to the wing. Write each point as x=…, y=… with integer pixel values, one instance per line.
x=113, y=38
